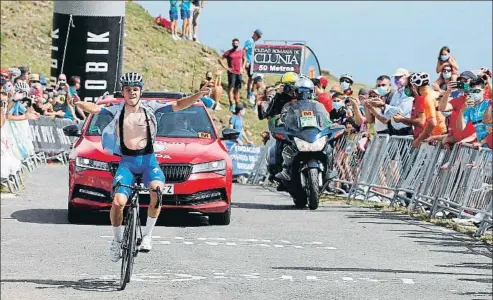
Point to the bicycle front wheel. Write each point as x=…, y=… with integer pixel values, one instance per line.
x=128, y=247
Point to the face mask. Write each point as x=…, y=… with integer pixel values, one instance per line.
x=208, y=78
x=477, y=96
x=443, y=57
x=337, y=105
x=344, y=85
x=447, y=75
x=235, y=47
x=398, y=83
x=408, y=92
x=382, y=90
x=36, y=85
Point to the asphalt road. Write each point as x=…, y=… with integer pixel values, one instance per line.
x=270, y=251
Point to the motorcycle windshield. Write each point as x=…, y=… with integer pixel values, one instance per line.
x=302, y=115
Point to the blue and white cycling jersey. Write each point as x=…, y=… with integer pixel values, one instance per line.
x=110, y=140
x=474, y=115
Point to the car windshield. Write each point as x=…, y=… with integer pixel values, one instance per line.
x=192, y=122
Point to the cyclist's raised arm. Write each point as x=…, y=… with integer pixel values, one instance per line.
x=190, y=100
x=89, y=107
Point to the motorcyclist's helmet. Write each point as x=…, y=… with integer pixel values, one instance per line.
x=289, y=78
x=304, y=88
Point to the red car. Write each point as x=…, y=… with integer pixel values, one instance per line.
x=195, y=162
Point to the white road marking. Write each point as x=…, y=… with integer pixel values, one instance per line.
x=188, y=243
x=212, y=243
x=163, y=242
x=250, y=276
x=407, y=281
x=219, y=273
x=287, y=277
x=231, y=244
x=217, y=239
x=285, y=242
x=156, y=237
x=266, y=241
x=107, y=236
x=263, y=245
x=328, y=248
x=278, y=246
x=347, y=278
x=201, y=239
x=186, y=277
x=311, y=278
x=179, y=238
x=298, y=247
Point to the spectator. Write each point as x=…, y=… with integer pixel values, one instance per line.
x=346, y=81
x=444, y=58
x=14, y=73
x=24, y=75
x=263, y=100
x=34, y=81
x=72, y=97
x=198, y=5
x=474, y=111
x=440, y=85
x=185, y=16
x=488, y=122
x=434, y=120
x=376, y=105
x=451, y=110
x=265, y=135
x=258, y=84
x=320, y=84
x=173, y=17
x=235, y=58
x=248, y=48
x=401, y=103
x=236, y=122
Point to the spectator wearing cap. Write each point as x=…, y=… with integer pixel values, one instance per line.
x=248, y=48
x=4, y=74
x=236, y=123
x=320, y=84
x=474, y=111
x=401, y=103
x=346, y=81
x=452, y=108
x=14, y=73
x=376, y=106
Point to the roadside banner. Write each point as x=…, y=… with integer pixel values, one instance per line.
x=244, y=157
x=311, y=65
x=47, y=135
x=277, y=59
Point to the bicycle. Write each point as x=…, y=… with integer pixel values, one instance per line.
x=132, y=221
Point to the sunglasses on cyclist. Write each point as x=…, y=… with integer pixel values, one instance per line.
x=345, y=80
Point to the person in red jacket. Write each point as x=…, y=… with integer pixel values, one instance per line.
x=320, y=84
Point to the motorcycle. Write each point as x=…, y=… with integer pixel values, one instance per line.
x=305, y=132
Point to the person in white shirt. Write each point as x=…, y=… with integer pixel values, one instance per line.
x=401, y=103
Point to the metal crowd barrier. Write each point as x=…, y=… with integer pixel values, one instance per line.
x=432, y=179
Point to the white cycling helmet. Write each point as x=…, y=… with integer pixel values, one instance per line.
x=21, y=86
x=420, y=79
x=132, y=79
x=347, y=76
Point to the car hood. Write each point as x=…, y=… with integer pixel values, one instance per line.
x=168, y=150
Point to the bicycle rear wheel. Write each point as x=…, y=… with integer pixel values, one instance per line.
x=128, y=247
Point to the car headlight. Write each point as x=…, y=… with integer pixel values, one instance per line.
x=218, y=167
x=86, y=163
x=304, y=146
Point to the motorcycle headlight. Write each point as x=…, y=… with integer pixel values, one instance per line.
x=218, y=167
x=304, y=146
x=86, y=163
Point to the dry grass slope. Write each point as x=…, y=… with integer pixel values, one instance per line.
x=149, y=49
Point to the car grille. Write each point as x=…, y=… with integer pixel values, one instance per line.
x=201, y=197
x=174, y=173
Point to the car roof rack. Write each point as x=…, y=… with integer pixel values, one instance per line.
x=155, y=94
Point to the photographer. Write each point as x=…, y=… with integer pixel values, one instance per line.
x=475, y=109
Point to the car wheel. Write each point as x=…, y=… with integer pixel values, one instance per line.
x=221, y=219
x=74, y=215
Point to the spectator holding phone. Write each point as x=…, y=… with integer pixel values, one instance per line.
x=440, y=85
x=445, y=58
x=474, y=110
x=451, y=109
x=376, y=106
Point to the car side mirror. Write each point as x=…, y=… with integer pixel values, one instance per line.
x=72, y=130
x=230, y=134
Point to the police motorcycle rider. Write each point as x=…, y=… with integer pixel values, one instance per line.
x=275, y=108
x=303, y=91
x=131, y=134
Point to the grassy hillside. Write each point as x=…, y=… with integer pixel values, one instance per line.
x=166, y=64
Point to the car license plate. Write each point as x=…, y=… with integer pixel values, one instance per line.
x=309, y=121
x=169, y=189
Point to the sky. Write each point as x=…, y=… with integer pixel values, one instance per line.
x=363, y=38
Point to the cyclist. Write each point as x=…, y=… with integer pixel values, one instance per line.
x=131, y=135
